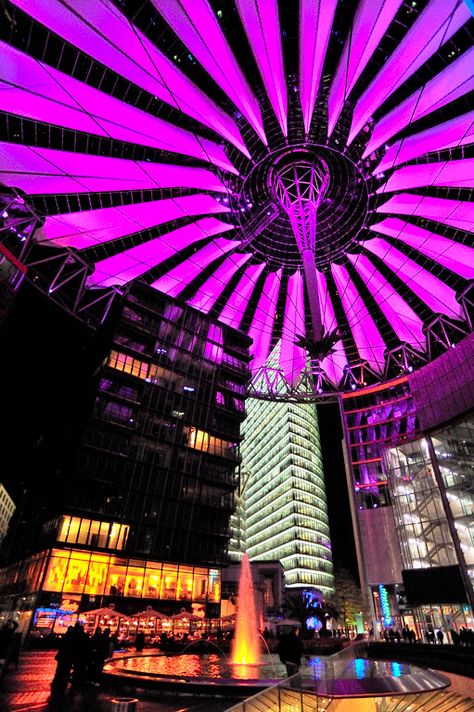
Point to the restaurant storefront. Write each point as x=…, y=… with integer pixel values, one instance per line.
x=49, y=590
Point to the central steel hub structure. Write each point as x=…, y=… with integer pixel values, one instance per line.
x=300, y=188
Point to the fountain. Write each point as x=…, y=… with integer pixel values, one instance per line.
x=249, y=672
x=246, y=644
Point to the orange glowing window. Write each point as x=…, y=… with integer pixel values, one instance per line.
x=56, y=573
x=185, y=583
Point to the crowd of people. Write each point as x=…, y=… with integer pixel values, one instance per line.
x=463, y=637
x=81, y=657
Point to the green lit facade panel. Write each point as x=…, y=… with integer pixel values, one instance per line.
x=283, y=507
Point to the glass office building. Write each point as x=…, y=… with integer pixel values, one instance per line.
x=144, y=508
x=409, y=457
x=284, y=499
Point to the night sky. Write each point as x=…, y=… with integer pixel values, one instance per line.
x=47, y=360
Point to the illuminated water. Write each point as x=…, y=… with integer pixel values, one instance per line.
x=246, y=642
x=213, y=666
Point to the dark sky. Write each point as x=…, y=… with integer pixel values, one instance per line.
x=46, y=363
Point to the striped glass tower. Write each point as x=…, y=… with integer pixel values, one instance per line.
x=284, y=500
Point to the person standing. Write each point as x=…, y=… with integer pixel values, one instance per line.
x=64, y=659
x=290, y=650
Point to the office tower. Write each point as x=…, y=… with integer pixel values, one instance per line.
x=147, y=492
x=284, y=500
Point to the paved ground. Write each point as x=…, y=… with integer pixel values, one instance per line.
x=28, y=688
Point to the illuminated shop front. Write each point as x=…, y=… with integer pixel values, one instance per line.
x=85, y=572
x=54, y=586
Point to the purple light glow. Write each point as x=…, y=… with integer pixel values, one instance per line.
x=92, y=227
x=315, y=22
x=210, y=291
x=178, y=278
x=264, y=318
x=78, y=22
x=454, y=81
x=430, y=289
x=45, y=170
x=434, y=27
x=371, y=21
x=32, y=90
x=335, y=363
x=457, y=132
x=128, y=265
x=234, y=310
x=455, y=213
x=292, y=357
x=196, y=25
x=459, y=174
x=452, y=255
x=369, y=342
x=262, y=27
x=407, y=325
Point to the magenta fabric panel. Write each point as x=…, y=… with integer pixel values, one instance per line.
x=264, y=318
x=142, y=63
x=197, y=27
x=431, y=290
x=125, y=266
x=404, y=321
x=315, y=22
x=31, y=89
x=262, y=27
x=457, y=174
x=454, y=81
x=369, y=342
x=435, y=26
x=371, y=21
x=455, y=213
x=92, y=227
x=457, y=132
x=292, y=357
x=234, y=310
x=453, y=255
x=178, y=278
x=206, y=296
x=46, y=170
x=335, y=363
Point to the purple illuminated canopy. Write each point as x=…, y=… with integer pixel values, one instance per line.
x=326, y=196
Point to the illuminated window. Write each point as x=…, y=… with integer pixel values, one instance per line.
x=134, y=581
x=56, y=573
x=152, y=581
x=111, y=535
x=169, y=582
x=115, y=585
x=77, y=572
x=200, y=585
x=214, y=585
x=97, y=575
x=185, y=583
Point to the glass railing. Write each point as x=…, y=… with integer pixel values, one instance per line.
x=310, y=689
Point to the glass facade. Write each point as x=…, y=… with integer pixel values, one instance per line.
x=76, y=571
x=284, y=500
x=373, y=418
x=426, y=512
x=144, y=490
x=159, y=452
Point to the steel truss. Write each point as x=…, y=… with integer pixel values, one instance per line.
x=61, y=273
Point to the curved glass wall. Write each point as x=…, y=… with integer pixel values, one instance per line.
x=283, y=500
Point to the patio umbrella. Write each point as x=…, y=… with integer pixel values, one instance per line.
x=105, y=611
x=150, y=613
x=186, y=616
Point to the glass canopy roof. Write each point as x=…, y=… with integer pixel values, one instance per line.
x=300, y=170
